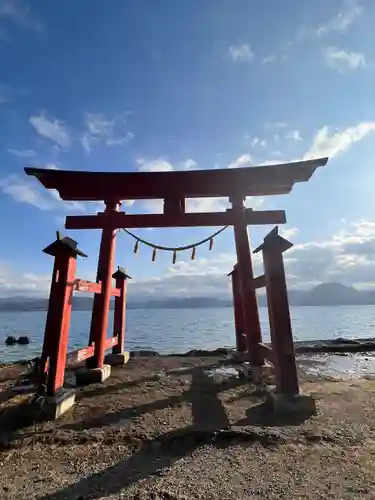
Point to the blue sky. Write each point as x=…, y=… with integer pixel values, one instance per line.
x=146, y=85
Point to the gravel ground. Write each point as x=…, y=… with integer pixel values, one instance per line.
x=189, y=428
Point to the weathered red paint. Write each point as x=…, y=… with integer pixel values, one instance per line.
x=99, y=318
x=246, y=276
x=120, y=219
x=238, y=312
x=119, y=314
x=58, y=319
x=92, y=287
x=279, y=315
x=87, y=352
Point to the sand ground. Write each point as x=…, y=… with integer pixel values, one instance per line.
x=188, y=428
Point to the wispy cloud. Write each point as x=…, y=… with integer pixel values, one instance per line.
x=5, y=94
x=242, y=161
x=103, y=130
x=24, y=191
x=19, y=14
x=241, y=53
x=331, y=143
x=344, y=61
x=22, y=153
x=269, y=59
x=294, y=135
x=349, y=12
x=52, y=129
x=158, y=165
x=254, y=141
x=288, y=232
x=163, y=165
x=189, y=164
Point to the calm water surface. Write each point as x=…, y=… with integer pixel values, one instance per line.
x=178, y=330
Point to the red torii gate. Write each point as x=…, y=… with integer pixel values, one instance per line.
x=174, y=188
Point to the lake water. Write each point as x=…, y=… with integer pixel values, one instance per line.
x=179, y=330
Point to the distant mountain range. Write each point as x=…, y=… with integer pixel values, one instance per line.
x=325, y=294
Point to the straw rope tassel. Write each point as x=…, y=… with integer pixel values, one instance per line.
x=174, y=257
x=154, y=255
x=211, y=244
x=136, y=247
x=193, y=254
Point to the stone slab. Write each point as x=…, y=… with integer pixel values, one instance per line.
x=86, y=376
x=55, y=406
x=114, y=359
x=299, y=404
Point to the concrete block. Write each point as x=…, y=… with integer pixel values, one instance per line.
x=92, y=375
x=114, y=359
x=299, y=404
x=55, y=406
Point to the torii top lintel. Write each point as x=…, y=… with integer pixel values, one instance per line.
x=248, y=181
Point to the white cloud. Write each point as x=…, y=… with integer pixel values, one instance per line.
x=255, y=141
x=4, y=94
x=293, y=135
x=241, y=53
x=350, y=11
x=207, y=204
x=162, y=165
x=53, y=129
x=103, y=130
x=18, y=13
x=189, y=164
x=158, y=165
x=288, y=232
x=25, y=190
x=14, y=283
x=22, y=153
x=242, y=161
x=348, y=257
x=344, y=61
x=271, y=58
x=332, y=143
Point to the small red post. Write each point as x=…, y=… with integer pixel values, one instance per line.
x=55, y=343
x=99, y=318
x=238, y=312
x=278, y=309
x=246, y=277
x=119, y=314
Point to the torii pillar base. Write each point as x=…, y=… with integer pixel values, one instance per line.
x=56, y=405
x=117, y=358
x=291, y=405
x=92, y=375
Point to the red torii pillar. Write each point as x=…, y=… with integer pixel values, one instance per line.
x=55, y=344
x=278, y=312
x=99, y=318
x=238, y=312
x=287, y=398
x=119, y=356
x=246, y=279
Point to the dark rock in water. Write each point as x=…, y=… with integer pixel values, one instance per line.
x=342, y=340
x=11, y=340
x=24, y=340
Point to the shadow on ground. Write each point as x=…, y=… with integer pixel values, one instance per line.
x=210, y=426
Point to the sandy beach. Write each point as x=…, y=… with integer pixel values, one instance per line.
x=189, y=427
